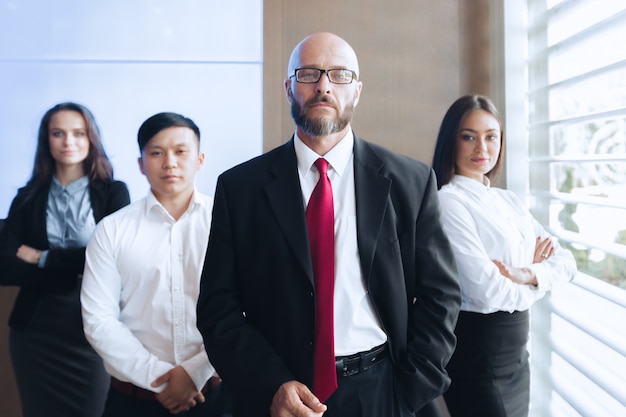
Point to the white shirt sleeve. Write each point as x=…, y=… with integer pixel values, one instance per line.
x=124, y=355
x=559, y=267
x=199, y=369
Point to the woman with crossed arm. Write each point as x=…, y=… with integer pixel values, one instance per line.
x=506, y=262
x=42, y=251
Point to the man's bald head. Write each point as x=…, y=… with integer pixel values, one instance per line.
x=323, y=50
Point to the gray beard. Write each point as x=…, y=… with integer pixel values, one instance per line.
x=321, y=126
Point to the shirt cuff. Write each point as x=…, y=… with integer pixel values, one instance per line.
x=199, y=369
x=543, y=284
x=42, y=259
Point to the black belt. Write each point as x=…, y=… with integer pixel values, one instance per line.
x=360, y=362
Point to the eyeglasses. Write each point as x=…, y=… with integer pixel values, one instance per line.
x=313, y=75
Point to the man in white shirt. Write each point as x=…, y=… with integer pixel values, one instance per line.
x=140, y=284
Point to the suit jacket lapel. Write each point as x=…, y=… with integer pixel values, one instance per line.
x=372, y=191
x=285, y=197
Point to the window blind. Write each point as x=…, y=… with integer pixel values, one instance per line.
x=576, y=101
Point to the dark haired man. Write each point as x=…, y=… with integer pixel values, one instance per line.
x=140, y=284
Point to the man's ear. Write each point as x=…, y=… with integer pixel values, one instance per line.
x=200, y=161
x=357, y=93
x=288, y=90
x=140, y=162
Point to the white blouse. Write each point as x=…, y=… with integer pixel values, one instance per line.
x=485, y=224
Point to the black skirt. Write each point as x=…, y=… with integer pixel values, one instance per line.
x=489, y=368
x=56, y=370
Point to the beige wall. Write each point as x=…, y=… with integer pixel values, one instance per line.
x=416, y=57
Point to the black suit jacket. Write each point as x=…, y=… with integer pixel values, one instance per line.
x=256, y=305
x=26, y=224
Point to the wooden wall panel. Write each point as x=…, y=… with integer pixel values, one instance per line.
x=410, y=56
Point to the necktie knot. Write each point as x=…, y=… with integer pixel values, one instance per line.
x=322, y=166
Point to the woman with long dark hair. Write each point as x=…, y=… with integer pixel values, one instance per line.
x=42, y=250
x=506, y=261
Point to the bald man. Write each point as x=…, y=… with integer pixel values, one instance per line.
x=394, y=295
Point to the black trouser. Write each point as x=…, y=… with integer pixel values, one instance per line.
x=371, y=394
x=217, y=404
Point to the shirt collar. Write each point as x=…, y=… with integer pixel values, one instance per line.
x=152, y=202
x=338, y=157
x=72, y=188
x=471, y=184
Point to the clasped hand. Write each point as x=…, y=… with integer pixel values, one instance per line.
x=180, y=394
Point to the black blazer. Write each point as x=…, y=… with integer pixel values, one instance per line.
x=256, y=304
x=26, y=224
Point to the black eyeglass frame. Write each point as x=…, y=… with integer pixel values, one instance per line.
x=324, y=71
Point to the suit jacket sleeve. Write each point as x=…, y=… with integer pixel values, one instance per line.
x=435, y=305
x=25, y=224
x=242, y=356
x=409, y=267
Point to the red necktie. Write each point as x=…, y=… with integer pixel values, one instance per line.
x=320, y=218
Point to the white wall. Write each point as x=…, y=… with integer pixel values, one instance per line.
x=127, y=60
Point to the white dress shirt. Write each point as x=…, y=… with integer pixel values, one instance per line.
x=140, y=289
x=485, y=224
x=356, y=325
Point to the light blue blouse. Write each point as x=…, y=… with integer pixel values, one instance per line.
x=69, y=216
